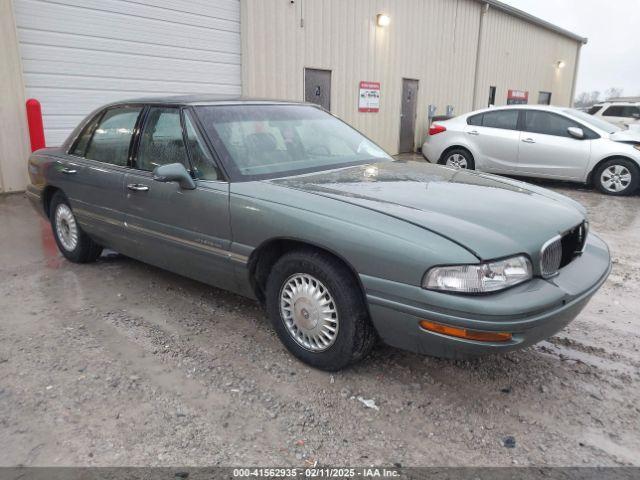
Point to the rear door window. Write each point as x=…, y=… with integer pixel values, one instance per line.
x=505, y=119
x=111, y=140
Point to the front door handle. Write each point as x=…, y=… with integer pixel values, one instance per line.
x=473, y=132
x=528, y=140
x=137, y=187
x=69, y=171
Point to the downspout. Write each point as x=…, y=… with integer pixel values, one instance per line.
x=575, y=75
x=483, y=11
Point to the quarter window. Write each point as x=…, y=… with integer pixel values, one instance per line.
x=621, y=111
x=111, y=140
x=506, y=119
x=475, y=120
x=161, y=141
x=83, y=139
x=203, y=165
x=550, y=124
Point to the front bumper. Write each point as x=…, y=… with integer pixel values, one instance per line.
x=531, y=312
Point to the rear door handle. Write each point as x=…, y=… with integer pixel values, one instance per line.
x=69, y=171
x=528, y=140
x=473, y=132
x=137, y=187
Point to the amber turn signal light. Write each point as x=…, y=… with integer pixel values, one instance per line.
x=465, y=333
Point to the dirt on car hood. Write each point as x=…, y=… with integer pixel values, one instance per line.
x=489, y=215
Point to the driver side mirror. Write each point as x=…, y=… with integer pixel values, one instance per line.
x=174, y=172
x=576, y=132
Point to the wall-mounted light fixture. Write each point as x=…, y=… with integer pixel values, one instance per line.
x=560, y=64
x=383, y=20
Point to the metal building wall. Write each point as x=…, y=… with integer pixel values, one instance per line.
x=433, y=41
x=14, y=145
x=515, y=54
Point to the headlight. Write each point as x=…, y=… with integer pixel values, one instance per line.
x=480, y=278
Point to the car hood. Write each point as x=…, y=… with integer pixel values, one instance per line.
x=490, y=216
x=631, y=134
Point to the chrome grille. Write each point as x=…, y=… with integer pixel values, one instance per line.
x=563, y=249
x=551, y=257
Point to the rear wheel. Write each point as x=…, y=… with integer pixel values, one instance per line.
x=458, y=158
x=317, y=310
x=72, y=242
x=617, y=176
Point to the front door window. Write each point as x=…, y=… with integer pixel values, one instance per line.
x=161, y=142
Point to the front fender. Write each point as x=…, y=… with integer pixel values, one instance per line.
x=601, y=153
x=372, y=243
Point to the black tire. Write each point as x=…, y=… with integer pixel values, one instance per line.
x=624, y=163
x=85, y=249
x=466, y=154
x=355, y=334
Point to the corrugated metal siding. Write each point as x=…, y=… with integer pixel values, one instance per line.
x=518, y=55
x=433, y=41
x=80, y=54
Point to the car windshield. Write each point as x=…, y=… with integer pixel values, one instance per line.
x=269, y=141
x=591, y=120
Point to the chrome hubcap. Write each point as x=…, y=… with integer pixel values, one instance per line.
x=456, y=161
x=66, y=227
x=615, y=178
x=309, y=312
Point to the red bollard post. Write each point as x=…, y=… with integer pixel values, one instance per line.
x=36, y=128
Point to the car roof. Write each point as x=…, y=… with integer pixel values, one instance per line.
x=617, y=102
x=202, y=99
x=549, y=108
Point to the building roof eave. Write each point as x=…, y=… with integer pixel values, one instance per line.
x=516, y=12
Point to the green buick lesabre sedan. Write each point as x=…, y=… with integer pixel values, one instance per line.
x=341, y=243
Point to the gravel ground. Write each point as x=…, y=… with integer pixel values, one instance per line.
x=119, y=363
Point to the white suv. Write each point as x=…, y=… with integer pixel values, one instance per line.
x=619, y=113
x=539, y=141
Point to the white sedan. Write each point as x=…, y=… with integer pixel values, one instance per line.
x=539, y=141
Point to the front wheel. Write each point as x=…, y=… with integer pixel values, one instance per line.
x=318, y=311
x=72, y=242
x=458, y=158
x=617, y=176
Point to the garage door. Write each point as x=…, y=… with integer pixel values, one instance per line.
x=80, y=54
